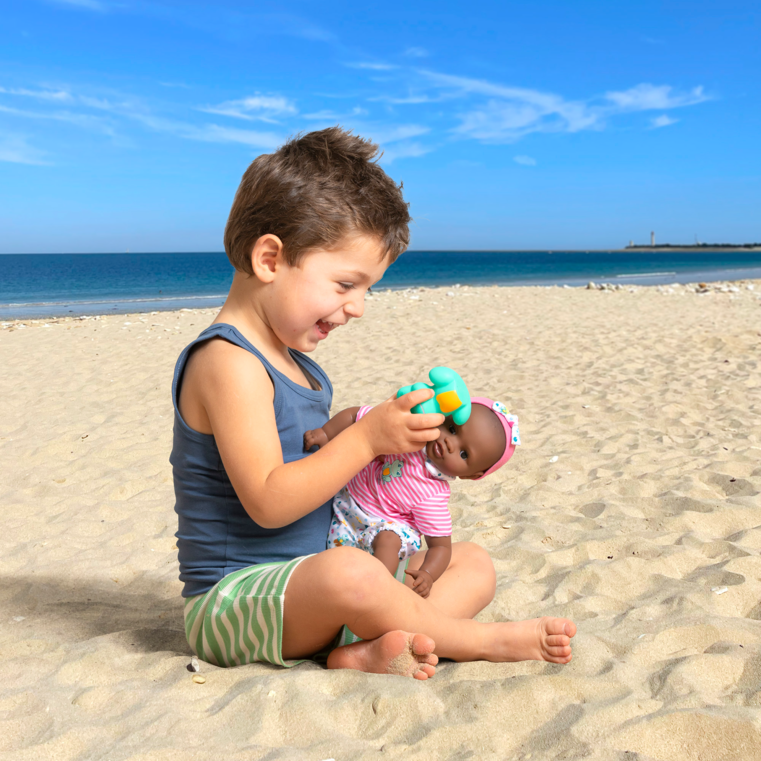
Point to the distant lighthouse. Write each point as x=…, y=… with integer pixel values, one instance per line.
x=652, y=239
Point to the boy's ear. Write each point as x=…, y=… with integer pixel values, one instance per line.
x=473, y=477
x=266, y=257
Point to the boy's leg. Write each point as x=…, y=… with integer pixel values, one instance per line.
x=345, y=586
x=386, y=548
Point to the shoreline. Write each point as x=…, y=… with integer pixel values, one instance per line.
x=91, y=309
x=690, y=249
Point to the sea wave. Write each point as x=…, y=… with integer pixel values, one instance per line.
x=645, y=274
x=74, y=303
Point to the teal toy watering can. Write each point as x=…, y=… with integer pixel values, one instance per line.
x=450, y=395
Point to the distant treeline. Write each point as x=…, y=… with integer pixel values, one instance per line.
x=697, y=245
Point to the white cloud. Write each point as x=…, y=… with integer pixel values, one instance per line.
x=212, y=133
x=662, y=121
x=209, y=133
x=333, y=116
x=513, y=112
x=415, y=52
x=125, y=109
x=266, y=108
x=406, y=101
x=58, y=96
x=384, y=134
x=404, y=150
x=87, y=121
x=504, y=114
x=14, y=150
x=524, y=160
x=646, y=97
x=373, y=66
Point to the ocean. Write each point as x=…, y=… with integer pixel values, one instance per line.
x=47, y=285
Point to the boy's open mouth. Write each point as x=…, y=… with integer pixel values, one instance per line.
x=325, y=327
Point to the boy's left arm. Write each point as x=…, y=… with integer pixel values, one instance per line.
x=436, y=562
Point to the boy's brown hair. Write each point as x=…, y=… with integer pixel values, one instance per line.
x=312, y=192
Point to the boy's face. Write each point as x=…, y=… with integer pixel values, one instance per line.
x=325, y=290
x=468, y=450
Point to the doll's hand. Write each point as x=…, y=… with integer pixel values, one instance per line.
x=423, y=582
x=316, y=438
x=392, y=428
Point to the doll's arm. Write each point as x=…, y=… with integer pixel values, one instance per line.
x=319, y=437
x=436, y=562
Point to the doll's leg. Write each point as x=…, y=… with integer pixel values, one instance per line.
x=386, y=546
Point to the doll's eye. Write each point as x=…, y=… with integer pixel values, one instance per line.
x=463, y=454
x=451, y=428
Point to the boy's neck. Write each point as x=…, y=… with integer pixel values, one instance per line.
x=243, y=309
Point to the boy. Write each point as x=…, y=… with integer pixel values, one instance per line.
x=313, y=226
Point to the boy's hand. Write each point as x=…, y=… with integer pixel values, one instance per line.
x=316, y=438
x=391, y=427
x=423, y=582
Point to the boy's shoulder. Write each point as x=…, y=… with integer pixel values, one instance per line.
x=218, y=363
x=217, y=352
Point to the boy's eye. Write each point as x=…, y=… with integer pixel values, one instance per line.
x=346, y=286
x=463, y=454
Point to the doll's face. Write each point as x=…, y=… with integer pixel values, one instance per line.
x=468, y=450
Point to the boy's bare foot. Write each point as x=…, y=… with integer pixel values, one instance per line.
x=397, y=653
x=538, y=639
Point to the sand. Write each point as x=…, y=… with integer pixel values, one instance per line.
x=632, y=507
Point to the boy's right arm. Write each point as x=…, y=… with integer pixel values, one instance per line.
x=237, y=395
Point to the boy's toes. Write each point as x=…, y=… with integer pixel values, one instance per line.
x=558, y=640
x=423, y=645
x=425, y=671
x=569, y=627
x=560, y=626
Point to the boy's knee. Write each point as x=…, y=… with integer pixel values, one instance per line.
x=354, y=575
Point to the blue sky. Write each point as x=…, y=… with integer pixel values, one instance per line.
x=126, y=124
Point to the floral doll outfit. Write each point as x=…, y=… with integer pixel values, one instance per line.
x=403, y=493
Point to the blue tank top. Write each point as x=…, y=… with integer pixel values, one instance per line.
x=216, y=536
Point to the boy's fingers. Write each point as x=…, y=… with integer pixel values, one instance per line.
x=424, y=434
x=408, y=401
x=428, y=420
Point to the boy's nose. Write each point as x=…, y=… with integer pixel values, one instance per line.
x=355, y=307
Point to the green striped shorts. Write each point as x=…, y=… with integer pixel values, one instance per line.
x=240, y=619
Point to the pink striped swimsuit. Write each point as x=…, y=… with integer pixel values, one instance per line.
x=404, y=488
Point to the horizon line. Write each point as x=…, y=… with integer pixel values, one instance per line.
x=632, y=249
